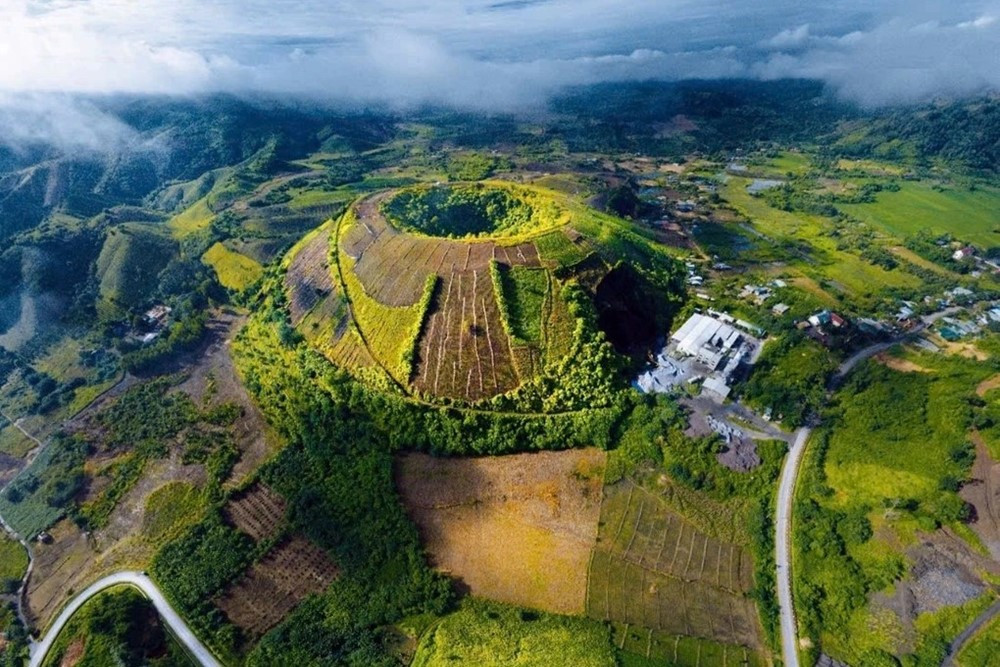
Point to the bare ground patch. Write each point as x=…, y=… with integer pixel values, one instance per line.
x=212, y=380
x=899, y=364
x=944, y=572
x=982, y=491
x=518, y=528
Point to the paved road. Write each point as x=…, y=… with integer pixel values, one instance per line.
x=176, y=624
x=786, y=492
x=783, y=546
x=973, y=628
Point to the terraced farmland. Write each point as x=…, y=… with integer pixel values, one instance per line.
x=459, y=318
x=463, y=351
x=655, y=570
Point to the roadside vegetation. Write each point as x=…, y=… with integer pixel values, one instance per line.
x=878, y=490
x=118, y=627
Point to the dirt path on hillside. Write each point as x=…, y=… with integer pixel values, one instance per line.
x=982, y=491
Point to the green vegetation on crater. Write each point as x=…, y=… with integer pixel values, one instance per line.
x=466, y=211
x=118, y=627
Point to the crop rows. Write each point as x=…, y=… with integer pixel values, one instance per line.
x=259, y=512
x=276, y=584
x=664, y=648
x=655, y=570
x=308, y=278
x=393, y=267
x=465, y=352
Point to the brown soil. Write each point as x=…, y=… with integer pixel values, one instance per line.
x=518, y=529
x=944, y=572
x=308, y=279
x=74, y=652
x=901, y=365
x=259, y=512
x=982, y=491
x=987, y=385
x=59, y=568
x=276, y=584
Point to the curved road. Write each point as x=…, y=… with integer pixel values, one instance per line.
x=786, y=493
x=180, y=629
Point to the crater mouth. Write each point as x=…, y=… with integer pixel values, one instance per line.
x=463, y=211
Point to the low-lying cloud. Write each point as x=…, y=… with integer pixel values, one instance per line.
x=486, y=54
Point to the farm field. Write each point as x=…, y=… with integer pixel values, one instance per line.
x=488, y=634
x=817, y=255
x=968, y=215
x=653, y=569
x=643, y=647
x=290, y=572
x=518, y=529
x=13, y=563
x=235, y=271
x=259, y=512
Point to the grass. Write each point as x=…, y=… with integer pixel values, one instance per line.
x=872, y=454
x=488, y=634
x=796, y=163
x=390, y=332
x=983, y=649
x=639, y=647
x=886, y=466
x=522, y=291
x=13, y=563
x=234, y=271
x=968, y=215
x=193, y=219
x=555, y=247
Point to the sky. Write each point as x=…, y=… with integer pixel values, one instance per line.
x=495, y=54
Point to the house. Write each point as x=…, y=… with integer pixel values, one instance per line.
x=156, y=315
x=780, y=309
x=820, y=319
x=837, y=321
x=963, y=253
x=905, y=312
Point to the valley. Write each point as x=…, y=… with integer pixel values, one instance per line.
x=393, y=389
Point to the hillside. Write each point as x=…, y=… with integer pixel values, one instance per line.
x=483, y=296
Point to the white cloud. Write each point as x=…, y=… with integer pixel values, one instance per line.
x=490, y=52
